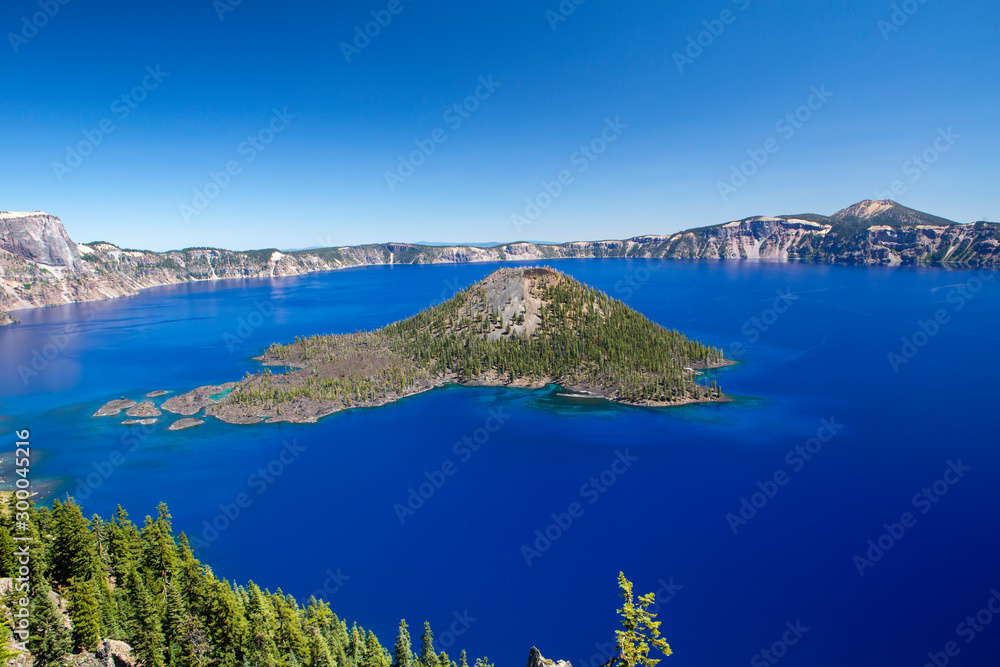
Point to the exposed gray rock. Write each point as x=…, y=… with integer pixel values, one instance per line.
x=195, y=400
x=112, y=408
x=39, y=237
x=535, y=659
x=144, y=422
x=182, y=424
x=144, y=409
x=113, y=653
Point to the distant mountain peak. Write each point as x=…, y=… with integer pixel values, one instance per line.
x=888, y=212
x=866, y=209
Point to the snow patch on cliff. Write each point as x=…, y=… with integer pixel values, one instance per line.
x=12, y=215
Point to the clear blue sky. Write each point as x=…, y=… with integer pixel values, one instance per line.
x=322, y=179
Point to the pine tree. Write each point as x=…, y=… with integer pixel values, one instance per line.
x=125, y=545
x=428, y=658
x=146, y=631
x=84, y=615
x=6, y=653
x=375, y=655
x=289, y=638
x=225, y=621
x=72, y=553
x=402, y=654
x=159, y=552
x=49, y=639
x=6, y=552
x=185, y=634
x=319, y=651
x=192, y=647
x=356, y=647
x=339, y=640
x=261, y=649
x=640, y=632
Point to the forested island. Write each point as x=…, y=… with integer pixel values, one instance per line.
x=97, y=593
x=523, y=327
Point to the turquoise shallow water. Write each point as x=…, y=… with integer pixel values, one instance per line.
x=608, y=488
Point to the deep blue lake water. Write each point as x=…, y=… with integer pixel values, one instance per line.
x=815, y=376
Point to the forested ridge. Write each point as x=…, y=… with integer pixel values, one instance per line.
x=143, y=585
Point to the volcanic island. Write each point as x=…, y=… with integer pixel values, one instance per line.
x=518, y=327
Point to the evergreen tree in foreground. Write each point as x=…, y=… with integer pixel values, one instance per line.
x=428, y=658
x=49, y=640
x=402, y=654
x=84, y=615
x=640, y=632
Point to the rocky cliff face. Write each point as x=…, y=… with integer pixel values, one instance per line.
x=40, y=265
x=38, y=237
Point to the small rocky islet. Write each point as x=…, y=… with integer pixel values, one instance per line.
x=112, y=408
x=145, y=409
x=146, y=413
x=185, y=423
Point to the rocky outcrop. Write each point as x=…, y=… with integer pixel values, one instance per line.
x=144, y=409
x=185, y=423
x=113, y=653
x=38, y=237
x=41, y=266
x=112, y=408
x=535, y=659
x=197, y=399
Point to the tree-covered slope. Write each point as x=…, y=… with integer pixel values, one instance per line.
x=97, y=580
